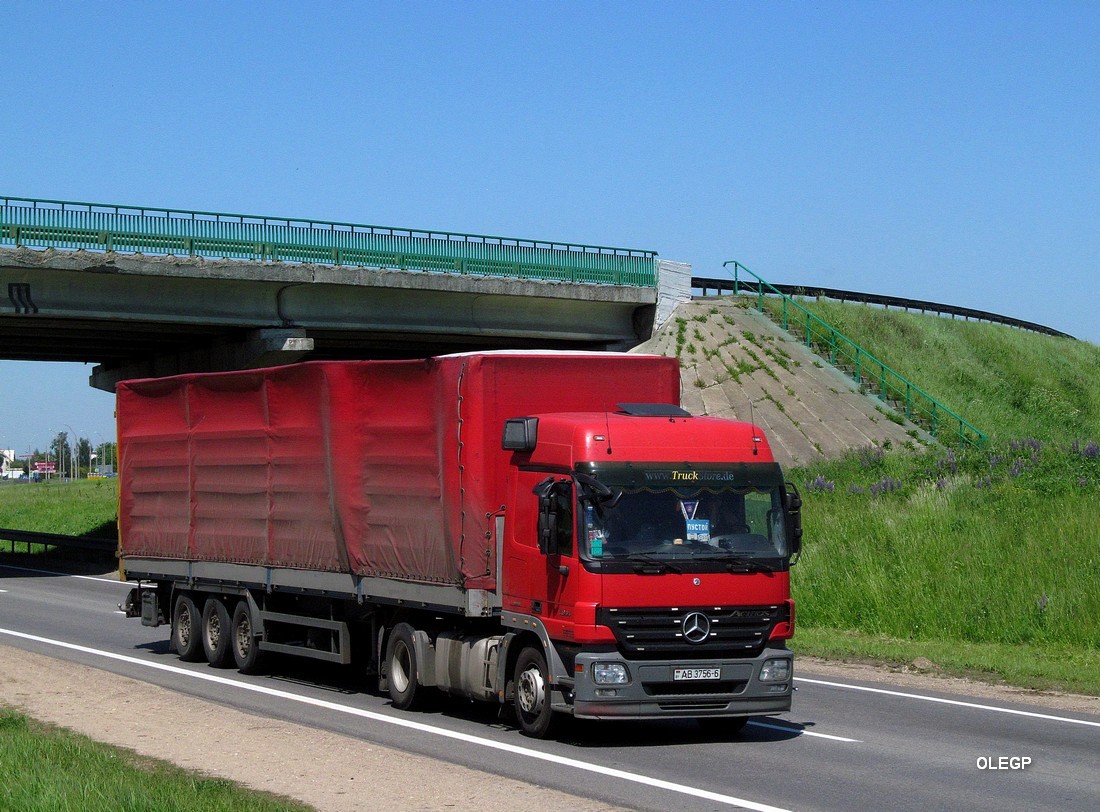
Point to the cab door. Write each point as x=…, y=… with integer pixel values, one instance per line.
x=541, y=568
x=563, y=566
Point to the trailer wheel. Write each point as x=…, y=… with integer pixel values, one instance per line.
x=532, y=694
x=244, y=645
x=215, y=633
x=401, y=667
x=185, y=629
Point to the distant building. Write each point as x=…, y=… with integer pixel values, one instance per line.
x=9, y=468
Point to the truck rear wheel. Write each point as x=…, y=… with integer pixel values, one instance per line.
x=401, y=667
x=215, y=633
x=185, y=629
x=243, y=642
x=532, y=694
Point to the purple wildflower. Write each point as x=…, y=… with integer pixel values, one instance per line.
x=886, y=485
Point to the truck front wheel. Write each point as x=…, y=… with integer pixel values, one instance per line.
x=185, y=629
x=401, y=667
x=532, y=694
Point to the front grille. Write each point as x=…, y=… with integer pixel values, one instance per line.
x=735, y=631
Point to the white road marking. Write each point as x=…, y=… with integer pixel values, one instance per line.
x=942, y=701
x=563, y=761
x=65, y=574
x=802, y=732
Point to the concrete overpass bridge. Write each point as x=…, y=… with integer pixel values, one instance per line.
x=144, y=292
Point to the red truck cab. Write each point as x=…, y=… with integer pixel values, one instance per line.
x=659, y=582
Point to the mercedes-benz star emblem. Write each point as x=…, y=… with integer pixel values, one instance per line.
x=696, y=627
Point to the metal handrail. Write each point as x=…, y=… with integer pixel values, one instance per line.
x=816, y=292
x=30, y=222
x=866, y=368
x=86, y=543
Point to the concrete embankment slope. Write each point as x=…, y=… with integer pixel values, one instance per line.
x=736, y=363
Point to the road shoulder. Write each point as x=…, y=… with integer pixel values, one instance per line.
x=331, y=773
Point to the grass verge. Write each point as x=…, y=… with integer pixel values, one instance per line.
x=68, y=508
x=48, y=769
x=1048, y=668
x=1007, y=382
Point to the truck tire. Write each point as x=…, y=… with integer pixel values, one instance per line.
x=186, y=638
x=401, y=667
x=216, y=634
x=243, y=642
x=531, y=696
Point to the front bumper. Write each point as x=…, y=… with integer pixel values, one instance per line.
x=652, y=691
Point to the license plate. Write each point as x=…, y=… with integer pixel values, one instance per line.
x=696, y=673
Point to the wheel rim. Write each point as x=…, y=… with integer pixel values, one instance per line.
x=183, y=627
x=213, y=631
x=400, y=667
x=244, y=637
x=531, y=691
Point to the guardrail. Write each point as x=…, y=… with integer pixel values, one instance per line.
x=28, y=222
x=85, y=543
x=706, y=284
x=866, y=370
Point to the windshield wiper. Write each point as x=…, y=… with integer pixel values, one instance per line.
x=647, y=558
x=734, y=562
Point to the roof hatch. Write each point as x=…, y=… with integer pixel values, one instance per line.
x=652, y=410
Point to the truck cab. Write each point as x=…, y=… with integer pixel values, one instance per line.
x=658, y=583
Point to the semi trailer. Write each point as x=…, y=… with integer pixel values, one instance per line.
x=548, y=531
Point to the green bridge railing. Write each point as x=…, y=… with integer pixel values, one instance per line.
x=134, y=229
x=842, y=352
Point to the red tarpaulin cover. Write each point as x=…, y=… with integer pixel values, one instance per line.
x=380, y=468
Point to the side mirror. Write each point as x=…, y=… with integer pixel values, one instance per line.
x=793, y=501
x=548, y=517
x=608, y=497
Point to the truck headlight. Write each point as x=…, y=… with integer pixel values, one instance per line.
x=775, y=670
x=610, y=674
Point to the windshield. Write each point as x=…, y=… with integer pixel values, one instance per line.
x=678, y=513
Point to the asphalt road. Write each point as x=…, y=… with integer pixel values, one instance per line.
x=847, y=745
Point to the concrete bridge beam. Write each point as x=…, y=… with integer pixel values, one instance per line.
x=258, y=348
x=137, y=315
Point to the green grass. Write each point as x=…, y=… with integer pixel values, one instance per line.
x=51, y=770
x=985, y=561
x=991, y=546
x=1005, y=381
x=69, y=508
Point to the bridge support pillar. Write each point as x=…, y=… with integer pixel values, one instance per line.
x=267, y=347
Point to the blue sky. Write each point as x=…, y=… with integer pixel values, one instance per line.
x=944, y=151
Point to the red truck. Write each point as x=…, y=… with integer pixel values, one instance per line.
x=545, y=530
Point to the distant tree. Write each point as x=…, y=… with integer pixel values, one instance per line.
x=59, y=451
x=84, y=452
x=59, y=446
x=106, y=454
